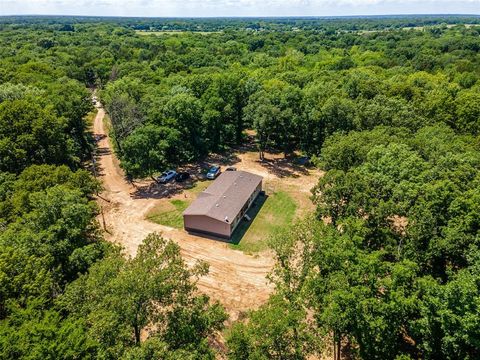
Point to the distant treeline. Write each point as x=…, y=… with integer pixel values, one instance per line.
x=332, y=23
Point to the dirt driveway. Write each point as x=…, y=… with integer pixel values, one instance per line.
x=236, y=279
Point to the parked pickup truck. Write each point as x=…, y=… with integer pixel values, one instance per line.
x=166, y=176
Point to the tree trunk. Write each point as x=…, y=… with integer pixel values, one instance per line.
x=118, y=145
x=334, y=348
x=137, y=334
x=338, y=348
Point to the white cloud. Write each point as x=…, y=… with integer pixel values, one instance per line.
x=237, y=7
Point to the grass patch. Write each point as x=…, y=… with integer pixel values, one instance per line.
x=169, y=214
x=198, y=187
x=270, y=214
x=169, y=211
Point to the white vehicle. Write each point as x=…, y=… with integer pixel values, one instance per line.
x=166, y=176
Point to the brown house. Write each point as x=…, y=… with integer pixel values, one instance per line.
x=219, y=208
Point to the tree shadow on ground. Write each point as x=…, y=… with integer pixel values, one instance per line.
x=155, y=190
x=284, y=167
x=93, y=164
x=223, y=159
x=244, y=148
x=198, y=172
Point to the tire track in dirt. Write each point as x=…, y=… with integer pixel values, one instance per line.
x=235, y=279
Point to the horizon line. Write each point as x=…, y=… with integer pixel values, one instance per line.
x=251, y=16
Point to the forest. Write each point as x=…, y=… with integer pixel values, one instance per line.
x=386, y=267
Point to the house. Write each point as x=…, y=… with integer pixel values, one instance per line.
x=219, y=208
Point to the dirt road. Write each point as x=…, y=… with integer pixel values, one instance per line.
x=237, y=280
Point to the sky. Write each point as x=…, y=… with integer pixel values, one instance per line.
x=209, y=8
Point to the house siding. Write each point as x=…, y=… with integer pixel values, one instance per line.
x=218, y=221
x=206, y=225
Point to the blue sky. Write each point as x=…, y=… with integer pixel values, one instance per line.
x=189, y=8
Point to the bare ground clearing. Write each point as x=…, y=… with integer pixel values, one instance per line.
x=236, y=279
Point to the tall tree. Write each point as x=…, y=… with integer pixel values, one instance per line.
x=149, y=150
x=153, y=293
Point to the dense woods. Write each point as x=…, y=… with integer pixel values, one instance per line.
x=388, y=267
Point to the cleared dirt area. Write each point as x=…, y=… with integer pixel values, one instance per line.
x=287, y=187
x=236, y=279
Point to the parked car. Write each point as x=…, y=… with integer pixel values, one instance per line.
x=303, y=160
x=167, y=176
x=182, y=176
x=231, y=168
x=213, y=172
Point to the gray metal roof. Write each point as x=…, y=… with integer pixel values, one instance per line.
x=225, y=197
